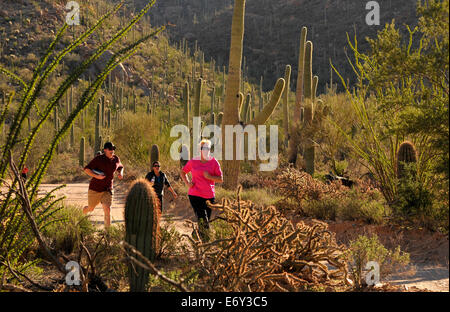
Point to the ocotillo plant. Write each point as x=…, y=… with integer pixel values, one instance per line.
x=81, y=159
x=142, y=214
x=406, y=154
x=15, y=233
x=154, y=154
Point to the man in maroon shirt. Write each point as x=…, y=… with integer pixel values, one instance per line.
x=102, y=169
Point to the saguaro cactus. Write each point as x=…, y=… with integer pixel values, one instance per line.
x=295, y=125
x=198, y=97
x=309, y=154
x=232, y=97
x=406, y=154
x=154, y=154
x=186, y=104
x=82, y=152
x=142, y=216
x=184, y=155
x=287, y=78
x=231, y=104
x=97, y=140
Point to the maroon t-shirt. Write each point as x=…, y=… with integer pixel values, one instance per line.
x=108, y=167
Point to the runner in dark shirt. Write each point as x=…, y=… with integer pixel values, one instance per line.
x=158, y=179
x=102, y=169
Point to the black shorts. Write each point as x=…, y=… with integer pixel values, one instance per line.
x=200, y=208
x=160, y=197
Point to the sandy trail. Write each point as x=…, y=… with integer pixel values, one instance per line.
x=76, y=195
x=421, y=274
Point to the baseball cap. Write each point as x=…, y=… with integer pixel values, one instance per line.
x=109, y=145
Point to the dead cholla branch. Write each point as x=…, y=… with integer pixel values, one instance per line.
x=300, y=185
x=267, y=252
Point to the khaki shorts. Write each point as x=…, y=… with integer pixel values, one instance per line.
x=95, y=198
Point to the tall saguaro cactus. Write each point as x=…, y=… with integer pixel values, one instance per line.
x=287, y=78
x=198, y=97
x=295, y=125
x=231, y=104
x=142, y=229
x=233, y=98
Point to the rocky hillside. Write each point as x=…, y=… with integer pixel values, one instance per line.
x=272, y=30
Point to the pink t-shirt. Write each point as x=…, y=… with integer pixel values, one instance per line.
x=202, y=187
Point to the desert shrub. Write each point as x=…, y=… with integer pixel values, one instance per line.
x=311, y=197
x=69, y=225
x=365, y=249
x=189, y=278
x=169, y=242
x=109, y=260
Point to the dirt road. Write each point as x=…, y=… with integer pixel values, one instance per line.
x=426, y=274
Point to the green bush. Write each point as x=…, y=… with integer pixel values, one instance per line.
x=365, y=249
x=169, y=242
x=69, y=224
x=351, y=205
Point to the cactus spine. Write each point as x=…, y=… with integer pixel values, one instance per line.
x=142, y=216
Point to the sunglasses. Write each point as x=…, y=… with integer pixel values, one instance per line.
x=157, y=166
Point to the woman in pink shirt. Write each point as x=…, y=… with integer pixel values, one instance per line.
x=205, y=172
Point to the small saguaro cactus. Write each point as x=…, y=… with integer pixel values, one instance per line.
x=198, y=97
x=186, y=104
x=154, y=154
x=82, y=153
x=184, y=155
x=142, y=217
x=406, y=154
x=219, y=119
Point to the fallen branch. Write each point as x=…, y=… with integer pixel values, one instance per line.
x=148, y=265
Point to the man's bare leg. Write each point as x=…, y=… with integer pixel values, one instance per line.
x=88, y=209
x=107, y=211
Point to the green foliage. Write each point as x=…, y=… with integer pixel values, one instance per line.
x=365, y=249
x=67, y=227
x=402, y=92
x=16, y=234
x=169, y=241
